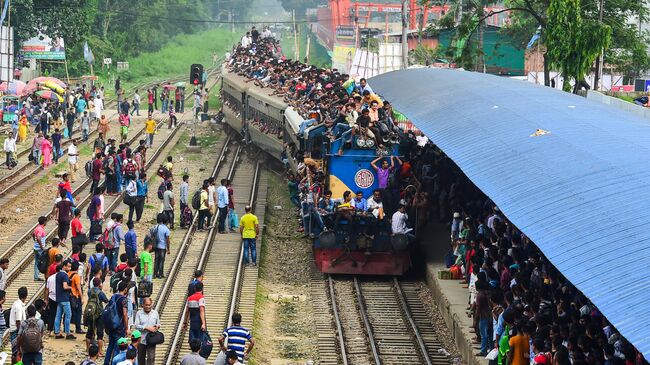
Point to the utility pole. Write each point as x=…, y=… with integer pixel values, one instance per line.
x=601, y=59
x=231, y=15
x=308, y=44
x=295, y=36
x=405, y=43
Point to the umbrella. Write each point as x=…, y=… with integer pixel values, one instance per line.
x=13, y=87
x=49, y=94
x=180, y=84
x=169, y=87
x=32, y=86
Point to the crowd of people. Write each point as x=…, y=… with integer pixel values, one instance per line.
x=524, y=310
x=339, y=108
x=102, y=288
x=77, y=285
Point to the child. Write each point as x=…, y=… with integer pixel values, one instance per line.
x=123, y=265
x=83, y=272
x=85, y=126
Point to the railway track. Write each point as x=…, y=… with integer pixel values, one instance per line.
x=21, y=273
x=388, y=326
x=229, y=289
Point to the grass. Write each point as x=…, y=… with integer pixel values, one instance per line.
x=317, y=53
x=174, y=58
x=629, y=99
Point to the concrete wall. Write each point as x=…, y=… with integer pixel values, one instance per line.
x=641, y=111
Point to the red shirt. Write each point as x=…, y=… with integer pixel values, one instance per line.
x=76, y=226
x=75, y=256
x=51, y=270
x=97, y=168
x=121, y=267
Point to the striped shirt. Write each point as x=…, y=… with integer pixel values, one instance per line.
x=194, y=304
x=237, y=337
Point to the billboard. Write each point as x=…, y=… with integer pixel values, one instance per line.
x=6, y=53
x=342, y=58
x=43, y=47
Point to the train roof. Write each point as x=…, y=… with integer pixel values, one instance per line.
x=234, y=80
x=571, y=173
x=263, y=95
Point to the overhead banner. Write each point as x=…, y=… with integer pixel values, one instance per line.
x=43, y=48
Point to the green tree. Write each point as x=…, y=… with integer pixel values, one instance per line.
x=573, y=43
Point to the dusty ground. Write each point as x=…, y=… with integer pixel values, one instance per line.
x=283, y=327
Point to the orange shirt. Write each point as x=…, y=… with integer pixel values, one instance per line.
x=52, y=254
x=519, y=345
x=75, y=281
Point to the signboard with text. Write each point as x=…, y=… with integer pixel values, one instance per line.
x=43, y=47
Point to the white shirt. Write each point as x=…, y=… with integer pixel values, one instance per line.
x=422, y=140
x=373, y=204
x=246, y=41
x=10, y=145
x=99, y=106
x=132, y=188
x=211, y=195
x=72, y=154
x=136, y=98
x=398, y=223
x=51, y=287
x=17, y=314
x=3, y=279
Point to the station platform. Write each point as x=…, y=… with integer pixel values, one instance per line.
x=449, y=295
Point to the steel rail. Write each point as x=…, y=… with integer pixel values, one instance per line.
x=337, y=321
x=175, y=343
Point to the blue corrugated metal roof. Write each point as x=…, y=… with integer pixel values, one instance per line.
x=581, y=192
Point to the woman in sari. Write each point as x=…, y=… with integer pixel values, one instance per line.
x=22, y=128
x=103, y=125
x=46, y=151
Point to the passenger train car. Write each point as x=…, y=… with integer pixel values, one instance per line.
x=273, y=126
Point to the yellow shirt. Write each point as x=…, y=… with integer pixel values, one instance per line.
x=248, y=223
x=373, y=97
x=150, y=125
x=204, y=200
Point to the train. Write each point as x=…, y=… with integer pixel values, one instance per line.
x=272, y=125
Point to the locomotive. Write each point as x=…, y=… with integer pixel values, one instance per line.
x=272, y=126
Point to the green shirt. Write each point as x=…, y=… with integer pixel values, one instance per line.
x=146, y=259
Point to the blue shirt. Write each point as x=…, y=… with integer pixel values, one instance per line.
x=143, y=187
x=131, y=240
x=81, y=105
x=222, y=195
x=360, y=205
x=100, y=257
x=62, y=295
x=163, y=234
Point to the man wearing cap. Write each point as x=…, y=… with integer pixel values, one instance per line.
x=123, y=345
x=249, y=227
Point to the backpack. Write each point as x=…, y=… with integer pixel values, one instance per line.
x=93, y=307
x=88, y=167
x=196, y=200
x=186, y=216
x=130, y=169
x=162, y=189
x=44, y=261
x=145, y=288
x=163, y=172
x=151, y=235
x=110, y=317
x=106, y=239
x=115, y=280
x=97, y=263
x=32, y=337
